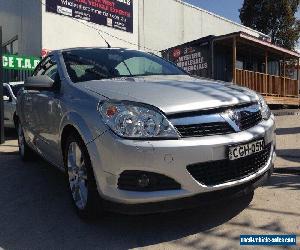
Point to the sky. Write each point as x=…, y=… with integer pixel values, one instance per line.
x=225, y=8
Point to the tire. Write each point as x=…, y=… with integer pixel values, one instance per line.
x=80, y=178
x=26, y=153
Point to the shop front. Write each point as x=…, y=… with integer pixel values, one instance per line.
x=18, y=68
x=244, y=60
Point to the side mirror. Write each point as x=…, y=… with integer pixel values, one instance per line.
x=6, y=98
x=41, y=82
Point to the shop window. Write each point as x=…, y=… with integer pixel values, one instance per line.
x=7, y=49
x=11, y=47
x=239, y=64
x=15, y=47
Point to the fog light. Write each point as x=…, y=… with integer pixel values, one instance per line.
x=144, y=181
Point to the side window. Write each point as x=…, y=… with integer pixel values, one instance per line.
x=51, y=71
x=6, y=92
x=40, y=68
x=47, y=67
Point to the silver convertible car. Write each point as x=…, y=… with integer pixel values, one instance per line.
x=10, y=91
x=136, y=134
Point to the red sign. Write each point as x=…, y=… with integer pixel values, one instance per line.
x=176, y=53
x=45, y=53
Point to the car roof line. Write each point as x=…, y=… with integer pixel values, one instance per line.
x=88, y=48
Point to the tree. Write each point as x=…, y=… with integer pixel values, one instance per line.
x=275, y=18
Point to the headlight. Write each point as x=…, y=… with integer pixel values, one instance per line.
x=135, y=120
x=264, y=108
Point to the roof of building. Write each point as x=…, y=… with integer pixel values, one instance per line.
x=243, y=35
x=220, y=17
x=261, y=42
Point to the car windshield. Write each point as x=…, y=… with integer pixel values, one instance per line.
x=96, y=64
x=16, y=88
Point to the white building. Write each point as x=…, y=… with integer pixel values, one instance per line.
x=28, y=28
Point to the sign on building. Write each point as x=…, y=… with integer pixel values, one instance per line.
x=117, y=14
x=16, y=62
x=193, y=59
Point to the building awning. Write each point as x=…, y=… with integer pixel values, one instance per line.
x=260, y=42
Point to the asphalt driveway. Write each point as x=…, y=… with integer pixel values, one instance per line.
x=36, y=212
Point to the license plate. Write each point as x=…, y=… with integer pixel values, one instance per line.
x=241, y=151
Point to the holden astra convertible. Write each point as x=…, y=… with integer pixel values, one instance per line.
x=136, y=134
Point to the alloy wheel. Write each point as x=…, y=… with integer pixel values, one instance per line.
x=77, y=174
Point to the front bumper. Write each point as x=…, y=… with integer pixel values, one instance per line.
x=111, y=155
x=198, y=200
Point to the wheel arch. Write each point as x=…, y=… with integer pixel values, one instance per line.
x=67, y=130
x=74, y=123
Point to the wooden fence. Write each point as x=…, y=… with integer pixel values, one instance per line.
x=269, y=85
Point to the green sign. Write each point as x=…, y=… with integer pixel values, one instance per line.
x=16, y=62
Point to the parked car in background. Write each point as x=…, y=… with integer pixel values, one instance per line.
x=10, y=91
x=136, y=134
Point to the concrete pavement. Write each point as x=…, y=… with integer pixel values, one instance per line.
x=36, y=212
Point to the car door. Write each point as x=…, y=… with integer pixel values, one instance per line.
x=9, y=107
x=47, y=114
x=28, y=109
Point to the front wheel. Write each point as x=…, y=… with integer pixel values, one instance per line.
x=80, y=177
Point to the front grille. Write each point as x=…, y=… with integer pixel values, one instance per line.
x=205, y=129
x=249, y=120
x=134, y=180
x=213, y=122
x=218, y=172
